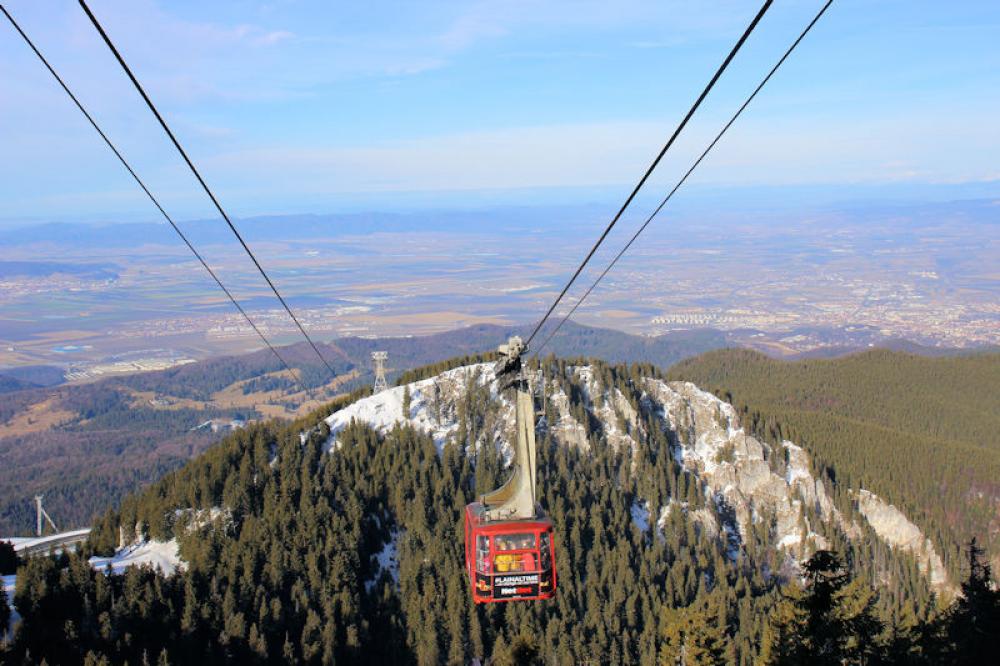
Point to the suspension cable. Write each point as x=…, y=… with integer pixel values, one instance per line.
x=652, y=167
x=218, y=206
x=149, y=194
x=689, y=171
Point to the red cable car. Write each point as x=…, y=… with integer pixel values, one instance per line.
x=509, y=545
x=509, y=559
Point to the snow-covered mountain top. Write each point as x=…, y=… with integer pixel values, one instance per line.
x=431, y=408
x=744, y=479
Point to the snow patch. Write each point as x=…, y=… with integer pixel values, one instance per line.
x=798, y=463
x=388, y=562
x=665, y=512
x=162, y=555
x=384, y=410
x=789, y=540
x=640, y=515
x=566, y=430
x=196, y=519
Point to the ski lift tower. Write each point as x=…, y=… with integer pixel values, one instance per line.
x=379, y=358
x=40, y=515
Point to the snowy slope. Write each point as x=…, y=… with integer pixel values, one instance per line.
x=162, y=555
x=432, y=404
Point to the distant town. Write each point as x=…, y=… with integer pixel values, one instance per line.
x=787, y=287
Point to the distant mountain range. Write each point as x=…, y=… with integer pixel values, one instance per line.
x=308, y=226
x=542, y=220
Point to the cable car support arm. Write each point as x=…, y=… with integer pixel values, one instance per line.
x=515, y=499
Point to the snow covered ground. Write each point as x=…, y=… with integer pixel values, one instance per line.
x=384, y=410
x=388, y=562
x=640, y=515
x=163, y=555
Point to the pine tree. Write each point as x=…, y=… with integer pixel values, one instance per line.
x=974, y=620
x=288, y=655
x=92, y=658
x=692, y=636
x=832, y=621
x=4, y=615
x=862, y=629
x=522, y=651
x=8, y=559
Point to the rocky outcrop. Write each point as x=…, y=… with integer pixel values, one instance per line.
x=894, y=528
x=735, y=467
x=746, y=480
x=564, y=428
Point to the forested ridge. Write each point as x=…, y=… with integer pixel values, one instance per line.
x=109, y=447
x=923, y=433
x=281, y=537
x=129, y=445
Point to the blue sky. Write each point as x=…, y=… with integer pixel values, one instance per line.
x=292, y=106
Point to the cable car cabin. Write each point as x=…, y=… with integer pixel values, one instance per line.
x=509, y=560
x=509, y=552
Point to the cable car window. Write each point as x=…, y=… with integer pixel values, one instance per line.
x=546, y=551
x=524, y=541
x=483, y=553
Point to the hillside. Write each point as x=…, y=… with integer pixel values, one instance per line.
x=922, y=432
x=338, y=538
x=85, y=445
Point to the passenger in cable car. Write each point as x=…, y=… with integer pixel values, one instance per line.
x=507, y=561
x=483, y=554
x=504, y=561
x=523, y=541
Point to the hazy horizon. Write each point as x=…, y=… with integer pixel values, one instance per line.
x=706, y=201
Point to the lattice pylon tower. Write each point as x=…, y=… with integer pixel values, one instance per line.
x=379, y=358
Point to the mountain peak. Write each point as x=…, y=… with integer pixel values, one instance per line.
x=748, y=484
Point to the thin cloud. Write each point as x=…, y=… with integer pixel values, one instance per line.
x=273, y=37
